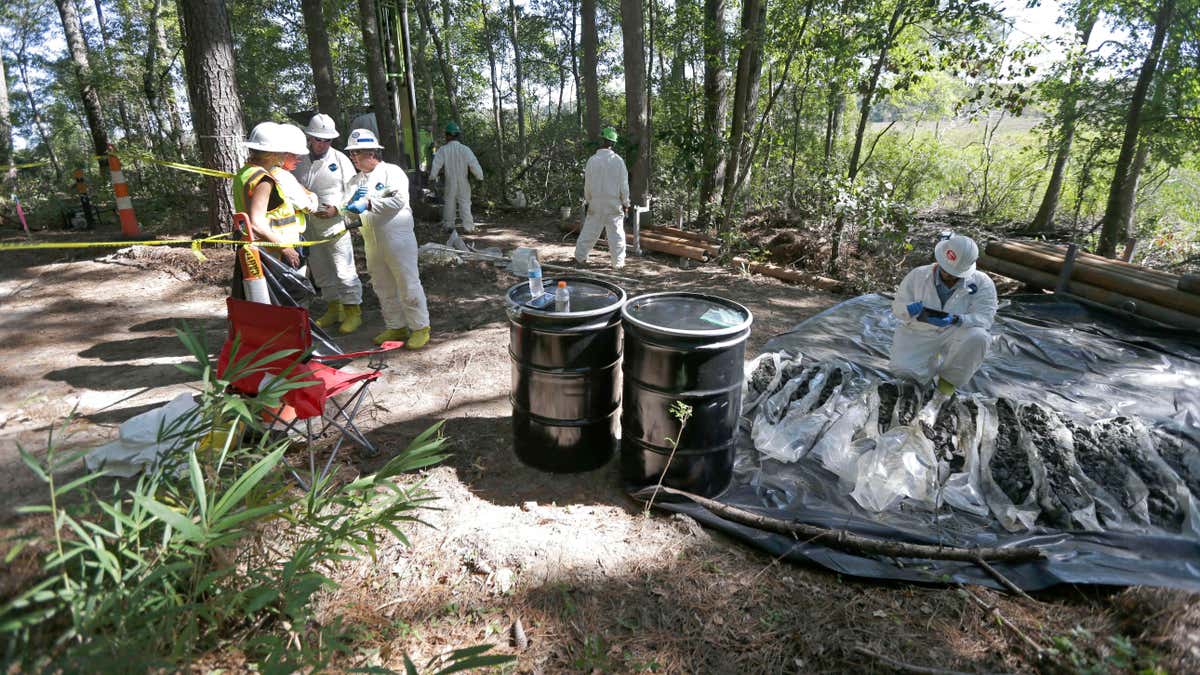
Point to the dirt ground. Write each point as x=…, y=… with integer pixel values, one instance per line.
x=596, y=585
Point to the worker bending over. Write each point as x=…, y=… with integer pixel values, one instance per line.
x=606, y=191
x=945, y=311
x=457, y=159
x=380, y=200
x=327, y=172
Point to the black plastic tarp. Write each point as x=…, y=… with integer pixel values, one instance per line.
x=1082, y=363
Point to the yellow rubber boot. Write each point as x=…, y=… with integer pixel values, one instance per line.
x=351, y=319
x=418, y=339
x=391, y=335
x=945, y=387
x=332, y=315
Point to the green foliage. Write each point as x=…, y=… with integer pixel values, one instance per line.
x=1118, y=654
x=211, y=547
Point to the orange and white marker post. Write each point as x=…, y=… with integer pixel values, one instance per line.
x=129, y=224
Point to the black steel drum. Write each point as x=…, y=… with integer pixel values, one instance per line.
x=566, y=376
x=682, y=347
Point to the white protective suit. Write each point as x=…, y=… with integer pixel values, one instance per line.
x=456, y=159
x=955, y=352
x=332, y=264
x=606, y=191
x=392, y=247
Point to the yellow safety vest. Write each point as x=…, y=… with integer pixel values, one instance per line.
x=281, y=216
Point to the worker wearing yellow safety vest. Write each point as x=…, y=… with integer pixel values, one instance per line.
x=258, y=194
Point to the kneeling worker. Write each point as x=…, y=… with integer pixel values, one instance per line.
x=945, y=311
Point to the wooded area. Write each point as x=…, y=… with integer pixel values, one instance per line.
x=844, y=119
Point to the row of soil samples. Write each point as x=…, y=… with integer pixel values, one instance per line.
x=1022, y=462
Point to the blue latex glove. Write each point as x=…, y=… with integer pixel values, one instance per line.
x=915, y=308
x=357, y=206
x=359, y=193
x=943, y=321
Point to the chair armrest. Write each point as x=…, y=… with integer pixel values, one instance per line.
x=383, y=348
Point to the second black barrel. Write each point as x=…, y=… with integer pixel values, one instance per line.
x=689, y=348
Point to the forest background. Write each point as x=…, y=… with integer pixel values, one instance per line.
x=848, y=121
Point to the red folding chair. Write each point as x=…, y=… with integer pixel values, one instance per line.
x=264, y=329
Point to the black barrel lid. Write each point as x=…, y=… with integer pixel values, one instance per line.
x=687, y=314
x=588, y=297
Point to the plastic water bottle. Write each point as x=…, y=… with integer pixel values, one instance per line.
x=536, y=290
x=562, y=298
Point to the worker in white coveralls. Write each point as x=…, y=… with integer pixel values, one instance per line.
x=606, y=191
x=326, y=172
x=456, y=159
x=379, y=198
x=945, y=311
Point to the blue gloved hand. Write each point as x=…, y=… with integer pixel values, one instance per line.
x=915, y=308
x=942, y=321
x=359, y=193
x=357, y=206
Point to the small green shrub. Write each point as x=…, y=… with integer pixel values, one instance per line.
x=212, y=549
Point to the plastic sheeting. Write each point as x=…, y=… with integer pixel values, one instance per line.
x=1079, y=436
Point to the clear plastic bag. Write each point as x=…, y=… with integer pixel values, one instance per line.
x=902, y=465
x=764, y=376
x=1013, y=516
x=962, y=489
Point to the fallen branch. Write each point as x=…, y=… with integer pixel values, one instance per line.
x=848, y=541
x=1000, y=618
x=902, y=666
x=1004, y=581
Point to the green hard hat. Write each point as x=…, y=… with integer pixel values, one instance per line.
x=452, y=129
x=609, y=134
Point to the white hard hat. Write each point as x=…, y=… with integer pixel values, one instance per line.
x=362, y=139
x=321, y=126
x=296, y=141
x=268, y=137
x=956, y=255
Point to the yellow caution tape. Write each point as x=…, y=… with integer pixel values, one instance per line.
x=195, y=244
x=30, y=165
x=203, y=171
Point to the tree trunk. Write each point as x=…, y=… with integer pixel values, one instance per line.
x=518, y=71
x=165, y=85
x=716, y=100
x=38, y=122
x=745, y=92
x=1123, y=189
x=377, y=81
x=575, y=66
x=150, y=68
x=1043, y=221
x=110, y=62
x=833, y=121
x=83, y=73
x=497, y=118
x=443, y=62
x=591, y=85
x=212, y=89
x=864, y=115
x=320, y=59
x=635, y=98
x=6, y=145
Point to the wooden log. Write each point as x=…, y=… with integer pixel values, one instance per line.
x=1085, y=258
x=794, y=276
x=1107, y=278
x=659, y=245
x=674, y=248
x=711, y=249
x=1189, y=283
x=1096, y=294
x=675, y=231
